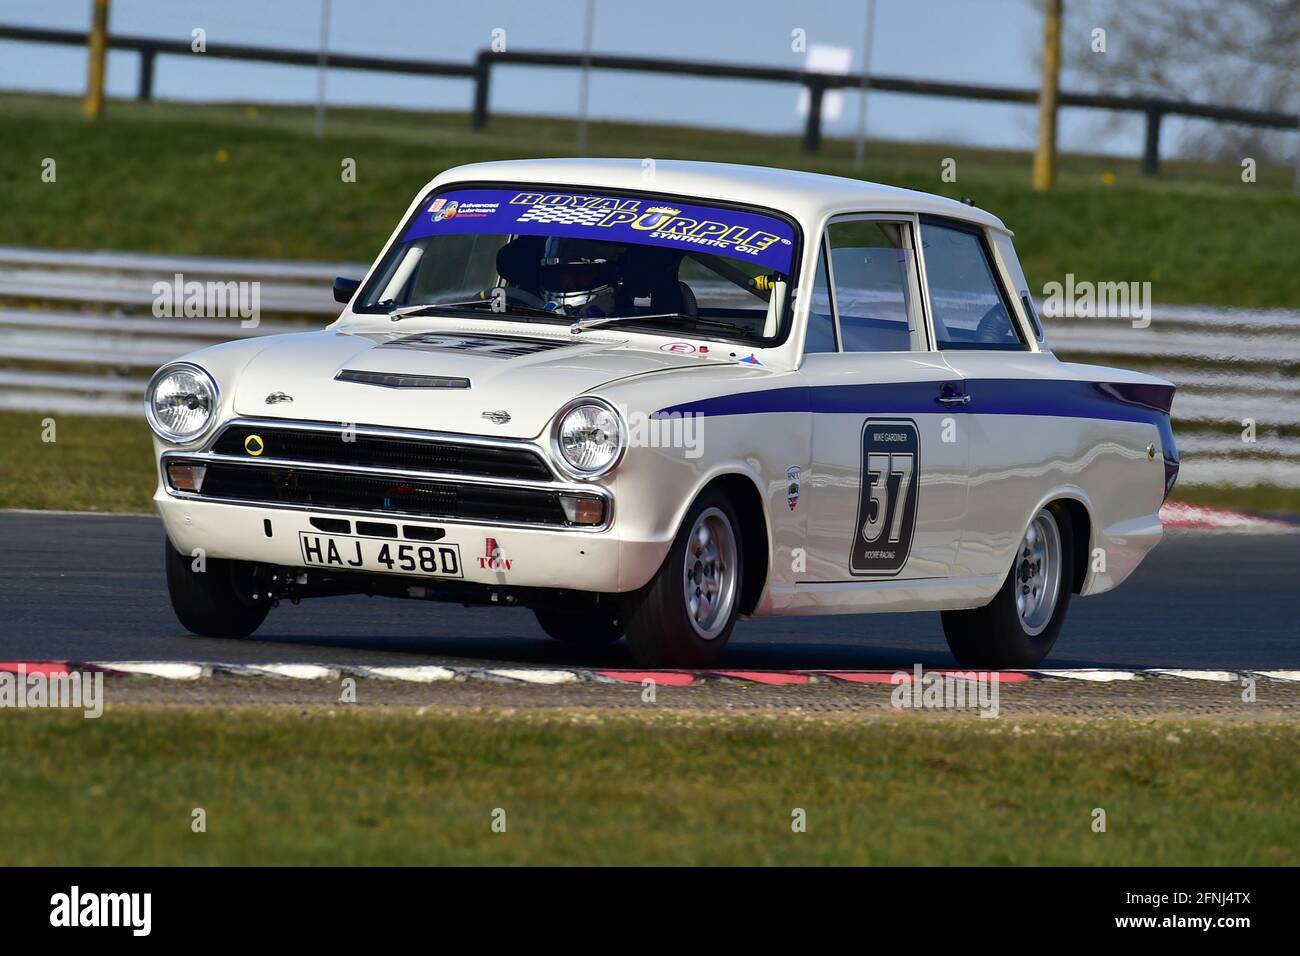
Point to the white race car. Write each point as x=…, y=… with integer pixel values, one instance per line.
x=648, y=400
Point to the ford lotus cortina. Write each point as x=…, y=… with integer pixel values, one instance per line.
x=652, y=406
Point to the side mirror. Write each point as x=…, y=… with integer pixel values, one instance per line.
x=345, y=289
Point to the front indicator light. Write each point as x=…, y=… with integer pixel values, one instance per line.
x=583, y=509
x=186, y=477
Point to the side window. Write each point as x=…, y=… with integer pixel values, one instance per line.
x=968, y=305
x=872, y=266
x=821, y=323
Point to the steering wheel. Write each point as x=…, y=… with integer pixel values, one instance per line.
x=993, y=325
x=513, y=293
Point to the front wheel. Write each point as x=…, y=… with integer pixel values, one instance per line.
x=215, y=597
x=1019, y=626
x=684, y=616
x=581, y=628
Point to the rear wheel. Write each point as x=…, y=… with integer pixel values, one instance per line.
x=581, y=628
x=684, y=616
x=221, y=600
x=1020, y=625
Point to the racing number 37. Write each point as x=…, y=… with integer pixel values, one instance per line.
x=887, y=495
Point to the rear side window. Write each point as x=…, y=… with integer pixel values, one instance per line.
x=871, y=269
x=970, y=310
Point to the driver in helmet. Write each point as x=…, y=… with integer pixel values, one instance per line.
x=579, y=277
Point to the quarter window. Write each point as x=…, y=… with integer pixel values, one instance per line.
x=969, y=309
x=821, y=322
x=872, y=265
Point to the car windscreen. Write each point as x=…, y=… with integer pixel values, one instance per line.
x=657, y=265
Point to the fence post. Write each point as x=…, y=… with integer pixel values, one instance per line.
x=482, y=83
x=812, y=131
x=93, y=106
x=145, y=91
x=1151, y=153
x=1297, y=156
x=322, y=60
x=1044, y=172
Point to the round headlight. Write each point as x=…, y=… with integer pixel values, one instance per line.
x=589, y=437
x=180, y=402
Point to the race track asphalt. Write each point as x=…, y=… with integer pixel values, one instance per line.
x=91, y=588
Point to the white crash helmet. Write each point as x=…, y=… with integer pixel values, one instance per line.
x=579, y=278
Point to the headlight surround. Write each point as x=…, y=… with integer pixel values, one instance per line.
x=588, y=438
x=181, y=402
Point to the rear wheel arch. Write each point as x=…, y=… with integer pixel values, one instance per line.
x=1078, y=509
x=1081, y=528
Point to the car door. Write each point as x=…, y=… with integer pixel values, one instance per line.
x=886, y=495
x=981, y=335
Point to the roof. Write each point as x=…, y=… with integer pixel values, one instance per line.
x=806, y=196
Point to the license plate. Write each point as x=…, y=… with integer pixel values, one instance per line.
x=350, y=553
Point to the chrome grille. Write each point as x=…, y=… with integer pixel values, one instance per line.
x=448, y=500
x=317, y=466
x=375, y=450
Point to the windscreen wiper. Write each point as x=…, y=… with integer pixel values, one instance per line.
x=740, y=330
x=397, y=315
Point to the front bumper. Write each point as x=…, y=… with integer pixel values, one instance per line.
x=522, y=557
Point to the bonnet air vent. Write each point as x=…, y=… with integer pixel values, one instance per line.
x=395, y=380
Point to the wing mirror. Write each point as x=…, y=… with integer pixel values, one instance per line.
x=345, y=289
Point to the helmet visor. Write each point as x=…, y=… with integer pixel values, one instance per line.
x=576, y=276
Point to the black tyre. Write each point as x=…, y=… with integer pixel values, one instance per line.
x=1019, y=626
x=581, y=628
x=218, y=601
x=684, y=616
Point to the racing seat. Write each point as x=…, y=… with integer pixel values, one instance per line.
x=519, y=262
x=650, y=272
x=689, y=305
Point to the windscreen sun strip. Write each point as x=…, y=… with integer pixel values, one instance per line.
x=766, y=241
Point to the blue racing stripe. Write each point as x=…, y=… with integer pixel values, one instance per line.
x=1108, y=401
x=1121, y=401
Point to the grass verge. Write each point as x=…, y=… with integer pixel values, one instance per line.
x=93, y=464
x=1259, y=499
x=249, y=181
x=358, y=786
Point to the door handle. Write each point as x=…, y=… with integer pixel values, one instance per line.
x=949, y=395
